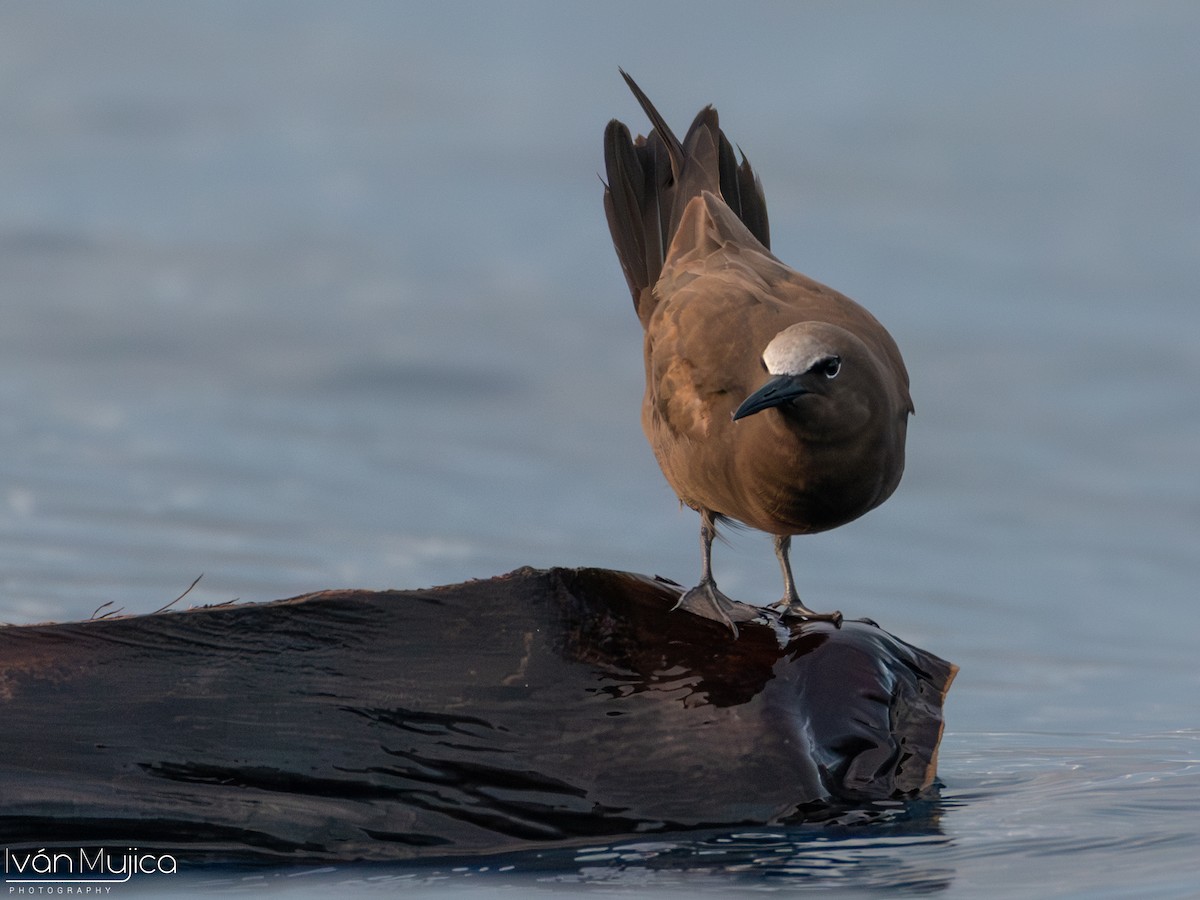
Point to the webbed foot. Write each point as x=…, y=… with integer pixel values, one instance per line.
x=792, y=608
x=706, y=600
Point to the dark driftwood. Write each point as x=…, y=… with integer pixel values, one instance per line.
x=530, y=709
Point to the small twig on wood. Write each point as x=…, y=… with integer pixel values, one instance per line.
x=111, y=612
x=180, y=597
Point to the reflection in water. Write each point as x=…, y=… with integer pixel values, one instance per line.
x=885, y=856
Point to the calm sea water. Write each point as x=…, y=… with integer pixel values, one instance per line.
x=302, y=296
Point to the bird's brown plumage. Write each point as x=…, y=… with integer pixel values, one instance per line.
x=690, y=228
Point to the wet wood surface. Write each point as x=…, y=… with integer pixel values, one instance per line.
x=531, y=709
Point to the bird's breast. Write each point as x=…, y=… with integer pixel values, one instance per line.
x=796, y=485
x=763, y=473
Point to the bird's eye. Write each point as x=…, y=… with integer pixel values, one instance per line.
x=830, y=366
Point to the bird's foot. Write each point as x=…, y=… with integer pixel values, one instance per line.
x=792, y=608
x=706, y=600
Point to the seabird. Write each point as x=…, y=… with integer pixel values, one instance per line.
x=771, y=400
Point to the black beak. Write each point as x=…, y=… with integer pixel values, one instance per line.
x=777, y=391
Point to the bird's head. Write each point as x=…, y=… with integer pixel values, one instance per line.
x=818, y=375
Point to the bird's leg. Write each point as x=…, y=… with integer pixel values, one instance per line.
x=705, y=599
x=790, y=605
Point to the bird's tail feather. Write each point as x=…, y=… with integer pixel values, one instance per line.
x=652, y=179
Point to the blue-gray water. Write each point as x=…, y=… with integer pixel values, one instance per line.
x=313, y=295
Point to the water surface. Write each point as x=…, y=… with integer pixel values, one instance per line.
x=300, y=297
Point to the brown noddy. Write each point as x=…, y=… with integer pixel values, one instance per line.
x=771, y=400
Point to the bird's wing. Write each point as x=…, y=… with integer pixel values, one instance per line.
x=713, y=306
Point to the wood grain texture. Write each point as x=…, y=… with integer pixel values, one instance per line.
x=535, y=708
